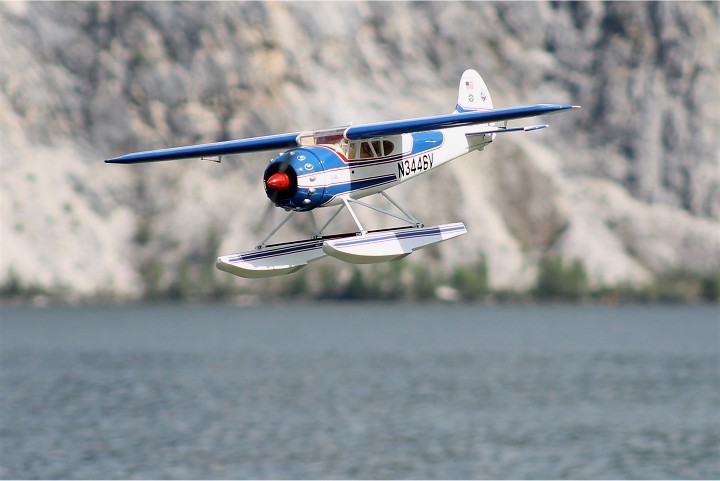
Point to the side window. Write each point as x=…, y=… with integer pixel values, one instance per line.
x=388, y=147
x=370, y=149
x=352, y=151
x=366, y=151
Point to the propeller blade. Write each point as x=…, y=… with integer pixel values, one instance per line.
x=284, y=166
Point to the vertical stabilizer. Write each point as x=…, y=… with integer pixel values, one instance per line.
x=473, y=94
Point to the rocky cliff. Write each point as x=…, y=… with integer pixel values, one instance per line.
x=629, y=185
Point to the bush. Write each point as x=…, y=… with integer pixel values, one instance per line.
x=710, y=289
x=423, y=284
x=471, y=281
x=555, y=281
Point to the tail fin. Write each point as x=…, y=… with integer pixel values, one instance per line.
x=473, y=94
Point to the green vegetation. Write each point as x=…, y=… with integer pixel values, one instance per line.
x=471, y=282
x=710, y=289
x=679, y=286
x=151, y=274
x=15, y=288
x=194, y=278
x=423, y=284
x=13, y=285
x=556, y=281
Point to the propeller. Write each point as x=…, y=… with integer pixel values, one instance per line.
x=279, y=182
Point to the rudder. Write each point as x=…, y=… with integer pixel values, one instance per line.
x=473, y=94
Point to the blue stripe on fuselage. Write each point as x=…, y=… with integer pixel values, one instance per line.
x=424, y=141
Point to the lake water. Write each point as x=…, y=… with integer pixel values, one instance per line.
x=360, y=391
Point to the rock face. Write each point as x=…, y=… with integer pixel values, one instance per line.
x=629, y=185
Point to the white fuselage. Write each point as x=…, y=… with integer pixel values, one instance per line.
x=410, y=155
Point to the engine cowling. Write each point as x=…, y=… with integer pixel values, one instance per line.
x=293, y=180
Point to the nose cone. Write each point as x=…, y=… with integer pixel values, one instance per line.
x=278, y=182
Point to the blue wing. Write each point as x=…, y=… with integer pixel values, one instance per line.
x=367, y=131
x=216, y=149
x=357, y=132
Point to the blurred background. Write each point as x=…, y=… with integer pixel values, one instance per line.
x=457, y=368
x=618, y=200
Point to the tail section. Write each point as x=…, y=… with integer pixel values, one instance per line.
x=473, y=94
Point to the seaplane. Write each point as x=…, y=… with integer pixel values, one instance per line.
x=337, y=167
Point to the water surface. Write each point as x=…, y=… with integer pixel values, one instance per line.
x=360, y=391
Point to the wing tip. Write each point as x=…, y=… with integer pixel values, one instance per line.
x=119, y=160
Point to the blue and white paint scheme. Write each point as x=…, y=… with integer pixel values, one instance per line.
x=339, y=166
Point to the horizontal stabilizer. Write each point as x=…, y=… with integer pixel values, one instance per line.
x=501, y=130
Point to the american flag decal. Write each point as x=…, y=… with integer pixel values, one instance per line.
x=468, y=85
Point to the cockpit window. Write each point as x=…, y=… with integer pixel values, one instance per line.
x=370, y=149
x=388, y=147
x=352, y=150
x=367, y=151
